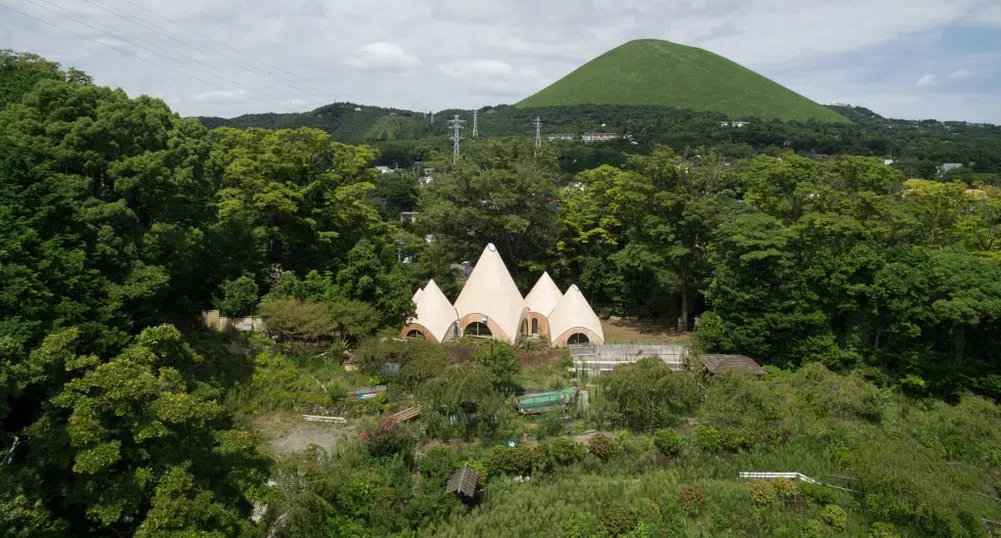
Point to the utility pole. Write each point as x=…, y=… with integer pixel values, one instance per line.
x=456, y=125
x=476, y=124
x=538, y=135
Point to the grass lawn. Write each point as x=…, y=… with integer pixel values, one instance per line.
x=633, y=331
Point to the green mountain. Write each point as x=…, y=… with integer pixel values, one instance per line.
x=661, y=73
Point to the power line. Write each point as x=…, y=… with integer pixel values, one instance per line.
x=207, y=38
x=456, y=125
x=181, y=61
x=124, y=51
x=172, y=36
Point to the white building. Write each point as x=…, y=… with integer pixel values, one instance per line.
x=588, y=138
x=491, y=306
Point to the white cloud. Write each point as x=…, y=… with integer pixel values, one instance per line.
x=925, y=81
x=382, y=56
x=468, y=53
x=225, y=95
x=959, y=74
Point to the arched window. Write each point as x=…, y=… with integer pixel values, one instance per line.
x=524, y=326
x=478, y=329
x=414, y=333
x=578, y=339
x=535, y=325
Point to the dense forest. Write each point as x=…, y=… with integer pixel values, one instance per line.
x=873, y=298
x=918, y=148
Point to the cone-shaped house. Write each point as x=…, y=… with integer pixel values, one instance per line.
x=436, y=318
x=541, y=301
x=573, y=322
x=491, y=306
x=490, y=303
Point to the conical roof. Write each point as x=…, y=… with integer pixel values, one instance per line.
x=545, y=295
x=572, y=314
x=417, y=295
x=434, y=312
x=491, y=291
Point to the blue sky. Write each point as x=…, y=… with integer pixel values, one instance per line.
x=902, y=58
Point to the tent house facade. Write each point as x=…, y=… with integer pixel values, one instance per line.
x=491, y=306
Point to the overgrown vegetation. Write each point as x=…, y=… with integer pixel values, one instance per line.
x=878, y=295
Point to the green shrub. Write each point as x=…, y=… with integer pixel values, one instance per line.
x=881, y=529
x=238, y=297
x=617, y=519
x=763, y=491
x=519, y=460
x=565, y=451
x=502, y=361
x=481, y=470
x=814, y=529
x=336, y=391
x=785, y=488
x=583, y=525
x=647, y=394
x=667, y=441
x=692, y=500
x=818, y=495
x=550, y=425
x=604, y=447
x=708, y=438
x=438, y=463
x=835, y=516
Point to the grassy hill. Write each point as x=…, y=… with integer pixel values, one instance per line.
x=654, y=72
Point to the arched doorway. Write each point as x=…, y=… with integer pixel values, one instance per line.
x=578, y=339
x=535, y=325
x=477, y=329
x=414, y=333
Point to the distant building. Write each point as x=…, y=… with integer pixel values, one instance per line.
x=383, y=169
x=409, y=216
x=887, y=162
x=589, y=138
x=562, y=137
x=737, y=124
x=948, y=167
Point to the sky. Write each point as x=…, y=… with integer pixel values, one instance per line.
x=913, y=59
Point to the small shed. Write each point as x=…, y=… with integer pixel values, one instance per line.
x=463, y=483
x=718, y=363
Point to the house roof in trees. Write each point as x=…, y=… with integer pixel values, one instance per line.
x=463, y=482
x=544, y=297
x=490, y=291
x=718, y=363
x=434, y=312
x=572, y=315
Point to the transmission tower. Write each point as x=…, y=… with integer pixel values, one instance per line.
x=538, y=135
x=476, y=124
x=456, y=125
x=432, y=116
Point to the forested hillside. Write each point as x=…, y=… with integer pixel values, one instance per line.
x=918, y=148
x=874, y=300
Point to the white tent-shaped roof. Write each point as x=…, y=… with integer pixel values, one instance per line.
x=434, y=314
x=573, y=315
x=544, y=297
x=490, y=291
x=417, y=295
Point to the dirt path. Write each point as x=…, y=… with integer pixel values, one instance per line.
x=287, y=432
